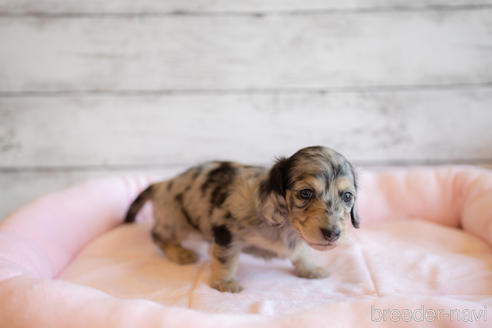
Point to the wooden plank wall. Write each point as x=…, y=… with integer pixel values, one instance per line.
x=90, y=88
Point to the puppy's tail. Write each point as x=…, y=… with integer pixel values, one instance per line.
x=138, y=203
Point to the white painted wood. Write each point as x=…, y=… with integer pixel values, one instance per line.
x=25, y=186
x=246, y=52
x=213, y=6
x=91, y=88
x=379, y=127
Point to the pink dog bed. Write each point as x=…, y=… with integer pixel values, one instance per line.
x=422, y=256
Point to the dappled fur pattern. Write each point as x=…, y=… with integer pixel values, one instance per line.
x=306, y=199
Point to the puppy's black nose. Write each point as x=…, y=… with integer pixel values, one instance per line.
x=331, y=235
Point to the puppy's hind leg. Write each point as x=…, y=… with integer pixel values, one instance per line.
x=173, y=249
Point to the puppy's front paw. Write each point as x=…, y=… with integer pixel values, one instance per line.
x=186, y=256
x=312, y=273
x=231, y=286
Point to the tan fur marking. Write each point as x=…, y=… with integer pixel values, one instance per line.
x=178, y=254
x=344, y=183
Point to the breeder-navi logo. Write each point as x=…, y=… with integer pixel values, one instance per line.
x=428, y=314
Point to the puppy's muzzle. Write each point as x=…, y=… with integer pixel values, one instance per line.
x=332, y=234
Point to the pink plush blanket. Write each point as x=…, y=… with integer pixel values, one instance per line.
x=423, y=256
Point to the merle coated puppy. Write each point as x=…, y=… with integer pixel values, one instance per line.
x=306, y=199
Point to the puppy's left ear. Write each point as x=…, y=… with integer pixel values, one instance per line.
x=354, y=216
x=278, y=176
x=271, y=209
x=272, y=192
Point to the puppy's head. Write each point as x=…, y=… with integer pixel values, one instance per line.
x=316, y=190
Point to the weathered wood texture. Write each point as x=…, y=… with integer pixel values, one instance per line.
x=378, y=127
x=308, y=51
x=221, y=6
x=20, y=187
x=95, y=87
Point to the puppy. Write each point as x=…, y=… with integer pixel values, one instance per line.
x=304, y=200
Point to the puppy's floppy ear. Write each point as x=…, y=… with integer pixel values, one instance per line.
x=354, y=216
x=272, y=192
x=274, y=209
x=353, y=213
x=278, y=176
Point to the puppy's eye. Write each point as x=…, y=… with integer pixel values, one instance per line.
x=306, y=194
x=347, y=197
